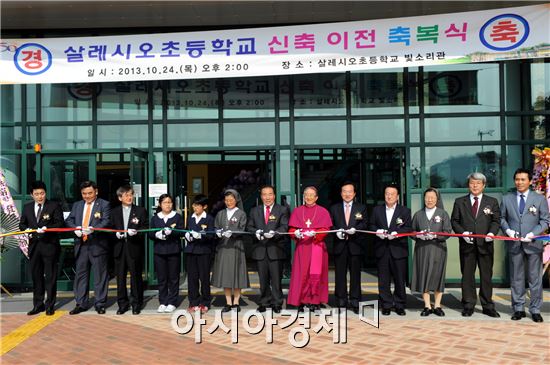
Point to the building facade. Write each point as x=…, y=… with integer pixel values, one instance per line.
x=414, y=126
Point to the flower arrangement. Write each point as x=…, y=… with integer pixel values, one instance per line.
x=541, y=177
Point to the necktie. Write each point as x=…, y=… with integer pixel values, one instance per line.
x=86, y=220
x=521, y=203
x=474, y=207
x=347, y=213
x=267, y=212
x=39, y=212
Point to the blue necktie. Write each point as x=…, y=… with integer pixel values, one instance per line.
x=521, y=203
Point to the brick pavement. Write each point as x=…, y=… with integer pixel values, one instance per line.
x=149, y=338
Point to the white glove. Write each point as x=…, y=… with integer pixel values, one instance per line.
x=219, y=233
x=259, y=235
x=511, y=233
x=341, y=234
x=309, y=233
x=227, y=234
x=160, y=235
x=528, y=237
x=431, y=236
x=41, y=230
x=422, y=236
x=196, y=235
x=78, y=232
x=132, y=232
x=88, y=230
x=167, y=231
x=188, y=237
x=469, y=240
x=351, y=230
x=120, y=235
x=392, y=235
x=299, y=235
x=489, y=239
x=269, y=234
x=380, y=233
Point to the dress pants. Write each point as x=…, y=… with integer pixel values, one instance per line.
x=270, y=273
x=343, y=263
x=468, y=262
x=534, y=278
x=168, y=269
x=124, y=263
x=198, y=279
x=390, y=268
x=44, y=267
x=98, y=264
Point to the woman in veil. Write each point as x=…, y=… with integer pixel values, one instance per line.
x=430, y=251
x=229, y=271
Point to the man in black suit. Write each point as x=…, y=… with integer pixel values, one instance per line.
x=388, y=220
x=44, y=247
x=476, y=213
x=129, y=249
x=347, y=217
x=265, y=222
x=90, y=247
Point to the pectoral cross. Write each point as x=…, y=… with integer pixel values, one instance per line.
x=308, y=223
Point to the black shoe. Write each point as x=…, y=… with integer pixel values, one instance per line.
x=400, y=311
x=536, y=317
x=36, y=310
x=50, y=311
x=100, y=310
x=467, y=312
x=226, y=308
x=277, y=309
x=78, y=309
x=355, y=310
x=136, y=309
x=491, y=313
x=439, y=312
x=261, y=309
x=518, y=315
x=301, y=308
x=237, y=307
x=426, y=312
x=386, y=311
x=122, y=310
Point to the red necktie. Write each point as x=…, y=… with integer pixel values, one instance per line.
x=267, y=211
x=474, y=207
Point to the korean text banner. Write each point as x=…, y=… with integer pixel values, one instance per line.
x=499, y=34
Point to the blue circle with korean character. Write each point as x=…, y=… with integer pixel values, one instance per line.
x=516, y=44
x=30, y=49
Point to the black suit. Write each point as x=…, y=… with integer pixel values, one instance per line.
x=392, y=255
x=348, y=252
x=269, y=253
x=129, y=253
x=481, y=252
x=43, y=250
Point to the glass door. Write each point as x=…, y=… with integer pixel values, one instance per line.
x=138, y=176
x=63, y=175
x=139, y=179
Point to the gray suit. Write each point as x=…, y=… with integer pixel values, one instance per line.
x=92, y=252
x=530, y=221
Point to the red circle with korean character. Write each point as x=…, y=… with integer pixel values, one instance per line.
x=32, y=59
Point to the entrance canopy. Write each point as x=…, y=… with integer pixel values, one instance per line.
x=498, y=34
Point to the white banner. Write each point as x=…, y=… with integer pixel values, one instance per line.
x=499, y=34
